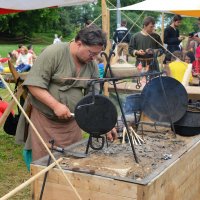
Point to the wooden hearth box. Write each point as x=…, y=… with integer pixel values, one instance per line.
x=176, y=179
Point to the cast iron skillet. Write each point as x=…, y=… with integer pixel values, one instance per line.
x=153, y=102
x=96, y=114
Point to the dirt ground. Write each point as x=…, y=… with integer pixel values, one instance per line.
x=117, y=159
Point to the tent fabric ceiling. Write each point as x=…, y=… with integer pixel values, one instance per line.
x=183, y=7
x=11, y=6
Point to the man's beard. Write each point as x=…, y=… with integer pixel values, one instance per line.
x=82, y=61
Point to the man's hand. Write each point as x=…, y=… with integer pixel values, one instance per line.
x=140, y=52
x=112, y=135
x=62, y=111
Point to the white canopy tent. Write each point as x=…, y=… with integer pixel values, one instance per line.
x=12, y=6
x=183, y=7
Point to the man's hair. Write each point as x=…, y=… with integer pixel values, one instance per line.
x=92, y=35
x=177, y=18
x=148, y=20
x=123, y=23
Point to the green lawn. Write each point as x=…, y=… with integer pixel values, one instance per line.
x=5, y=48
x=13, y=171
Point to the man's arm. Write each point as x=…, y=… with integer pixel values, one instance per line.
x=133, y=48
x=61, y=110
x=115, y=37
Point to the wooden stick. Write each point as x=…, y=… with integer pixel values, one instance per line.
x=123, y=135
x=10, y=106
x=28, y=182
x=136, y=135
x=38, y=135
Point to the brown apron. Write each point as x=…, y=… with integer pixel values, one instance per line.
x=64, y=134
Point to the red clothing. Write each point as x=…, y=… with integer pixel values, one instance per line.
x=196, y=67
x=3, y=60
x=3, y=106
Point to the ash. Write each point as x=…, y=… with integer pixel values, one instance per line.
x=118, y=160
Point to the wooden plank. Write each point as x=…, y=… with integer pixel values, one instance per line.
x=177, y=179
x=129, y=87
x=88, y=186
x=11, y=104
x=180, y=181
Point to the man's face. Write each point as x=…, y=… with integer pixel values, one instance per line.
x=87, y=53
x=177, y=23
x=149, y=28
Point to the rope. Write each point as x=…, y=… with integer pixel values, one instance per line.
x=40, y=138
x=141, y=28
x=94, y=20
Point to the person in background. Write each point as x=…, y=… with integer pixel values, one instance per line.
x=189, y=57
x=122, y=38
x=143, y=42
x=100, y=64
x=194, y=39
x=177, y=67
x=53, y=99
x=3, y=107
x=196, y=64
x=31, y=51
x=56, y=39
x=24, y=61
x=172, y=37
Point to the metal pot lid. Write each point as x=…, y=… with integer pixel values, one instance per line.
x=154, y=104
x=98, y=118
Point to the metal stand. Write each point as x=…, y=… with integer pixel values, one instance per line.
x=108, y=67
x=45, y=176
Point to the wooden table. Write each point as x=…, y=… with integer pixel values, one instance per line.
x=10, y=79
x=129, y=87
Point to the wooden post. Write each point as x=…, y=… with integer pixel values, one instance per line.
x=106, y=29
x=162, y=37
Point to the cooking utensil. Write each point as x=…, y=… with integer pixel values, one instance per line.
x=96, y=114
x=189, y=124
x=160, y=108
x=67, y=152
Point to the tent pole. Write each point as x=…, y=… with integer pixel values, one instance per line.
x=106, y=29
x=162, y=35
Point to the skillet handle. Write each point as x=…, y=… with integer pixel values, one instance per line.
x=102, y=144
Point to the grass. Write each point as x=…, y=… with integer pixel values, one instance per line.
x=13, y=171
x=5, y=48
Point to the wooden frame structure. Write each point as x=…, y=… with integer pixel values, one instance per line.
x=176, y=179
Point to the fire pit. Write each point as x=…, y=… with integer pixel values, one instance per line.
x=167, y=169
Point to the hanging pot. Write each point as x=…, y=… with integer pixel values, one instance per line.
x=161, y=109
x=96, y=114
x=189, y=124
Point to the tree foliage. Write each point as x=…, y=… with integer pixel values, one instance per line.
x=67, y=21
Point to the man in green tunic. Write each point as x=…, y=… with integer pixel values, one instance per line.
x=53, y=98
x=143, y=41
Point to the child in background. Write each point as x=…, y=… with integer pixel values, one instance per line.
x=196, y=68
x=100, y=63
x=177, y=67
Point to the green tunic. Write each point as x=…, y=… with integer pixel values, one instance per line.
x=48, y=72
x=141, y=41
